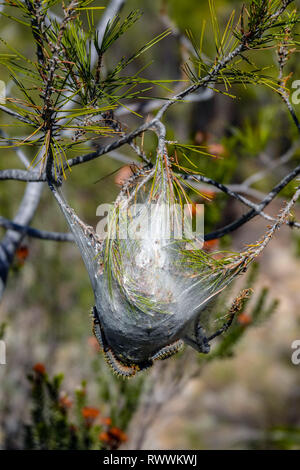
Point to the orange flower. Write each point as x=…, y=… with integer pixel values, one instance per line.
x=118, y=434
x=39, y=368
x=244, y=319
x=65, y=402
x=106, y=421
x=89, y=413
x=104, y=437
x=22, y=253
x=113, y=438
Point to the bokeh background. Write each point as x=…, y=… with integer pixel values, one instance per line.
x=249, y=398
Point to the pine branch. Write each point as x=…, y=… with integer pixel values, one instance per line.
x=35, y=233
x=253, y=213
x=16, y=115
x=226, y=189
x=12, y=239
x=112, y=10
x=22, y=175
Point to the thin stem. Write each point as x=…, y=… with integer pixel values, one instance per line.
x=36, y=233
x=253, y=213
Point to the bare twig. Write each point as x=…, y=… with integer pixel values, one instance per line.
x=21, y=175
x=12, y=239
x=256, y=249
x=227, y=190
x=36, y=233
x=21, y=155
x=285, y=4
x=109, y=147
x=203, y=94
x=253, y=213
x=285, y=158
x=16, y=115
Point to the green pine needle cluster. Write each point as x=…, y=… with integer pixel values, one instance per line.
x=63, y=95
x=257, y=28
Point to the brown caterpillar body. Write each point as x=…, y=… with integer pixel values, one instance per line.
x=127, y=371
x=118, y=368
x=168, y=351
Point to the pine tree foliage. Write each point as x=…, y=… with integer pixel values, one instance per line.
x=64, y=96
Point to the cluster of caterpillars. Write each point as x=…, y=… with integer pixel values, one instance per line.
x=201, y=345
x=124, y=370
